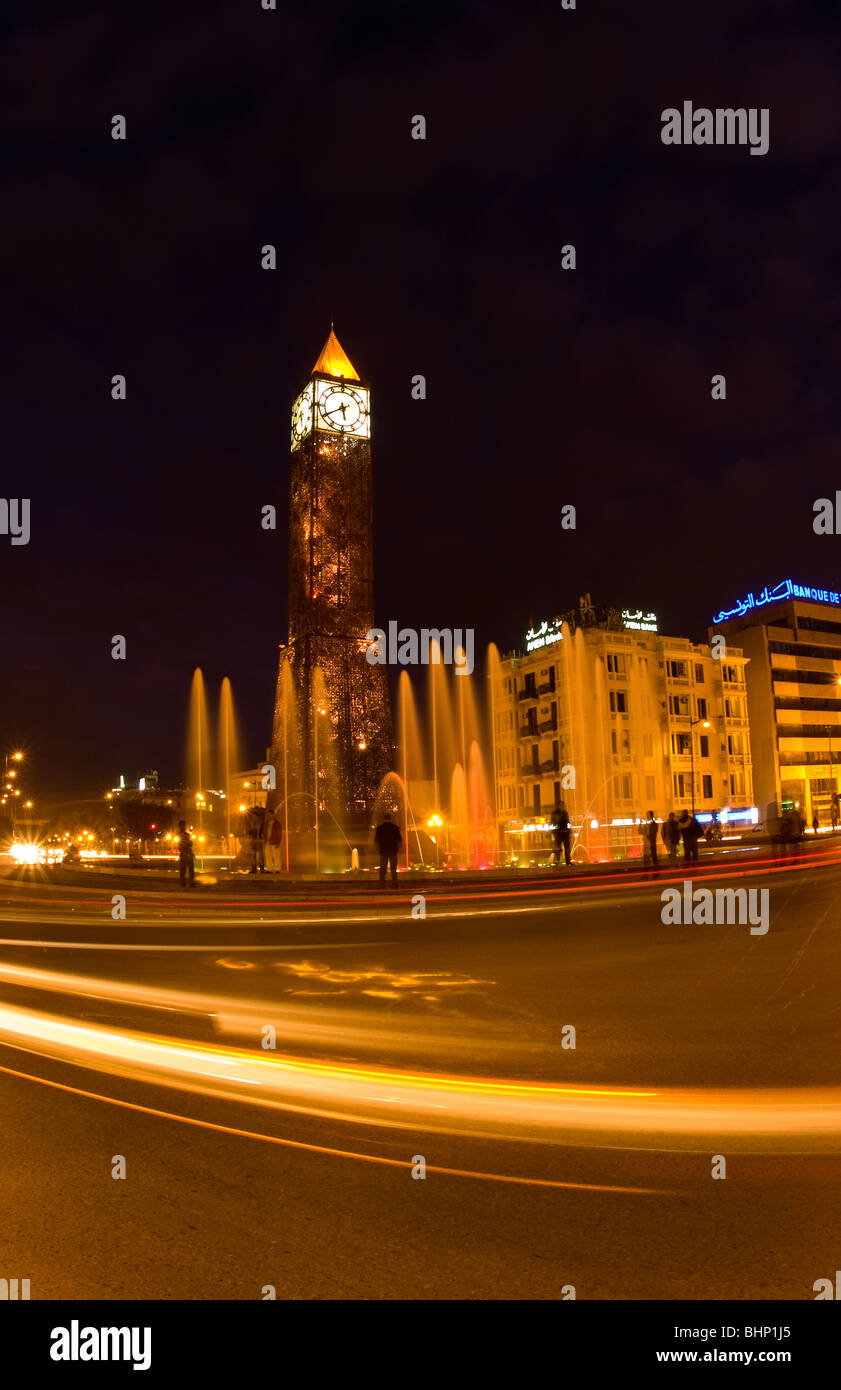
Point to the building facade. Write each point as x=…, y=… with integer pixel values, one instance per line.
x=791, y=635
x=613, y=720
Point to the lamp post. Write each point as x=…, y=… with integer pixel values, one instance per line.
x=836, y=681
x=705, y=723
x=17, y=758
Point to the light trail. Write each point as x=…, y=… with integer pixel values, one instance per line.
x=476, y=1106
x=652, y=879
x=598, y=881
x=340, y=1153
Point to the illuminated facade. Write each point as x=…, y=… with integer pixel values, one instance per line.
x=342, y=739
x=792, y=635
x=613, y=720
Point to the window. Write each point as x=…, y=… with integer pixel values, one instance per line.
x=648, y=745
x=707, y=787
x=535, y=792
x=556, y=792
x=616, y=663
x=699, y=673
x=626, y=744
x=618, y=702
x=649, y=788
x=613, y=743
x=705, y=746
x=679, y=705
x=677, y=670
x=680, y=744
x=702, y=709
x=625, y=787
x=680, y=783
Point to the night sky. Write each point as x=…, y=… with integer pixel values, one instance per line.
x=442, y=257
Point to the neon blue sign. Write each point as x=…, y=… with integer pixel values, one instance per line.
x=785, y=589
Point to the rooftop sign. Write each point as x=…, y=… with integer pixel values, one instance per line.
x=639, y=621
x=786, y=589
x=544, y=634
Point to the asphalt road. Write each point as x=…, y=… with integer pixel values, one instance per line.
x=443, y=1037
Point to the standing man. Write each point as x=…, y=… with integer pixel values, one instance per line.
x=834, y=811
x=649, y=830
x=274, y=839
x=186, y=862
x=388, y=840
x=671, y=835
x=562, y=834
x=690, y=831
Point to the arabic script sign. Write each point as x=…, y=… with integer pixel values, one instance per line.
x=785, y=589
x=543, y=634
x=639, y=621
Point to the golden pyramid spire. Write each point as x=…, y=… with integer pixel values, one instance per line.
x=334, y=361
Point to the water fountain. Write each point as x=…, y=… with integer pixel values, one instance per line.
x=442, y=784
x=229, y=754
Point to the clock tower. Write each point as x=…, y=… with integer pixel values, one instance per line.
x=342, y=717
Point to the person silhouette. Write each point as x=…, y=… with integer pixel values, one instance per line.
x=388, y=840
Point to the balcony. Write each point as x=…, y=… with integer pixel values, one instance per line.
x=548, y=726
x=546, y=689
x=526, y=694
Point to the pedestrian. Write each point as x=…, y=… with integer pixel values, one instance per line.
x=254, y=830
x=690, y=832
x=649, y=830
x=815, y=823
x=274, y=840
x=561, y=834
x=834, y=811
x=263, y=839
x=186, y=861
x=670, y=834
x=388, y=840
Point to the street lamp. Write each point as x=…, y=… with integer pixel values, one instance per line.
x=705, y=724
x=7, y=775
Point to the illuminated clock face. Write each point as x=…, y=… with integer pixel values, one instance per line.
x=302, y=417
x=343, y=408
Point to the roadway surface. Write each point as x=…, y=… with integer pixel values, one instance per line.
x=444, y=1037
